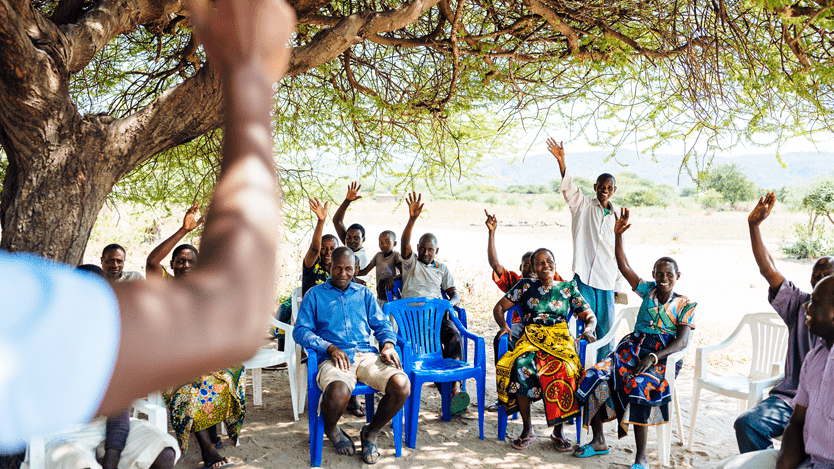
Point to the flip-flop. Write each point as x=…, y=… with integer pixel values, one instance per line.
x=586, y=451
x=562, y=445
x=219, y=464
x=370, y=451
x=343, y=443
x=638, y=466
x=523, y=443
x=459, y=403
x=492, y=407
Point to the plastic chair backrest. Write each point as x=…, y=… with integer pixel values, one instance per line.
x=296, y=303
x=397, y=293
x=770, y=344
x=418, y=320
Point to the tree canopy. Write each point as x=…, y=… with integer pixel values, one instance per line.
x=93, y=92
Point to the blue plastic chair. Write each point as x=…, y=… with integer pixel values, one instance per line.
x=316, y=422
x=503, y=347
x=396, y=294
x=419, y=321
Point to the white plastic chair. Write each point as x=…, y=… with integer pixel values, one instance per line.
x=770, y=344
x=291, y=355
x=153, y=406
x=664, y=432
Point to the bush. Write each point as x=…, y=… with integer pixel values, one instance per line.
x=731, y=183
x=711, y=199
x=689, y=192
x=554, y=202
x=644, y=198
x=809, y=244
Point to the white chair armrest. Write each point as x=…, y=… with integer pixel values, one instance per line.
x=592, y=348
x=707, y=349
x=289, y=342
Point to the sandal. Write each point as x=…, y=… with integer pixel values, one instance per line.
x=357, y=410
x=218, y=464
x=459, y=403
x=370, y=451
x=344, y=443
x=523, y=443
x=586, y=451
x=562, y=445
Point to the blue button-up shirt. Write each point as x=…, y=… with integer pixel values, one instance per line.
x=342, y=318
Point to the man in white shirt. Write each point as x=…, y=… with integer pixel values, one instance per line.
x=592, y=225
x=113, y=263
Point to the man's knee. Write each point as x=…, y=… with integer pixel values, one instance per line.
x=165, y=460
x=745, y=422
x=337, y=392
x=398, y=387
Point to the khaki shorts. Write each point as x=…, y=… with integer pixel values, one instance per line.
x=366, y=367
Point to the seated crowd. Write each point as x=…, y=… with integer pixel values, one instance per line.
x=338, y=315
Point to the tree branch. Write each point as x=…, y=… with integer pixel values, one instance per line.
x=331, y=42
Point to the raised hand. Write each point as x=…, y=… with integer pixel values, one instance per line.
x=319, y=209
x=190, y=221
x=622, y=224
x=253, y=34
x=415, y=208
x=353, y=191
x=762, y=209
x=491, y=221
x=556, y=149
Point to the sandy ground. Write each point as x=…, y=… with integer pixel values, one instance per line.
x=718, y=271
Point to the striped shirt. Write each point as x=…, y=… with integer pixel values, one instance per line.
x=816, y=386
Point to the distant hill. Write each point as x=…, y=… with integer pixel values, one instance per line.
x=764, y=170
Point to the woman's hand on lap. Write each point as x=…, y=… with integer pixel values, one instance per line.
x=643, y=365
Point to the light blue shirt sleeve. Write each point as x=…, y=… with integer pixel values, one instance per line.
x=305, y=324
x=59, y=339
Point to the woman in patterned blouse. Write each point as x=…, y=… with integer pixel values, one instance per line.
x=629, y=384
x=543, y=363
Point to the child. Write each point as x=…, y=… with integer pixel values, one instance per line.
x=388, y=264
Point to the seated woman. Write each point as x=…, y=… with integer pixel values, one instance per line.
x=218, y=397
x=544, y=356
x=629, y=384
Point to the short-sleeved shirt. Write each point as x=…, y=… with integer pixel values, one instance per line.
x=421, y=280
x=362, y=254
x=546, y=306
x=312, y=276
x=385, y=267
x=508, y=279
x=59, y=338
x=654, y=318
x=129, y=276
x=816, y=386
x=788, y=301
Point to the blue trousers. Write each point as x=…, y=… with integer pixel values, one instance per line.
x=602, y=304
x=755, y=427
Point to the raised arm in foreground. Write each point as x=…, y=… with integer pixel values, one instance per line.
x=763, y=258
x=188, y=321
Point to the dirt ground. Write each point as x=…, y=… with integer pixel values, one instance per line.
x=718, y=271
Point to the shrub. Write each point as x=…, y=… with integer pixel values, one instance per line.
x=809, y=244
x=731, y=183
x=644, y=198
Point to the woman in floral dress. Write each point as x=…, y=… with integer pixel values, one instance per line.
x=543, y=363
x=630, y=384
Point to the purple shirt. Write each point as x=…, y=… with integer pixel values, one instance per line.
x=816, y=386
x=788, y=301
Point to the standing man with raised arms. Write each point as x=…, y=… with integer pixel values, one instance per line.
x=592, y=226
x=72, y=328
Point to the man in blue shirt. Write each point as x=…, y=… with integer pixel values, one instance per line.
x=335, y=319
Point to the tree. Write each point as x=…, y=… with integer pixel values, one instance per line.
x=819, y=201
x=90, y=90
x=731, y=183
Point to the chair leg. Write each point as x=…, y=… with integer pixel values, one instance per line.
x=315, y=454
x=446, y=401
x=413, y=414
x=257, y=387
x=369, y=407
x=398, y=433
x=696, y=395
x=678, y=417
x=292, y=374
x=664, y=443
x=481, y=382
x=502, y=423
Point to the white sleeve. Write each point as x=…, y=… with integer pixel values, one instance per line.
x=59, y=338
